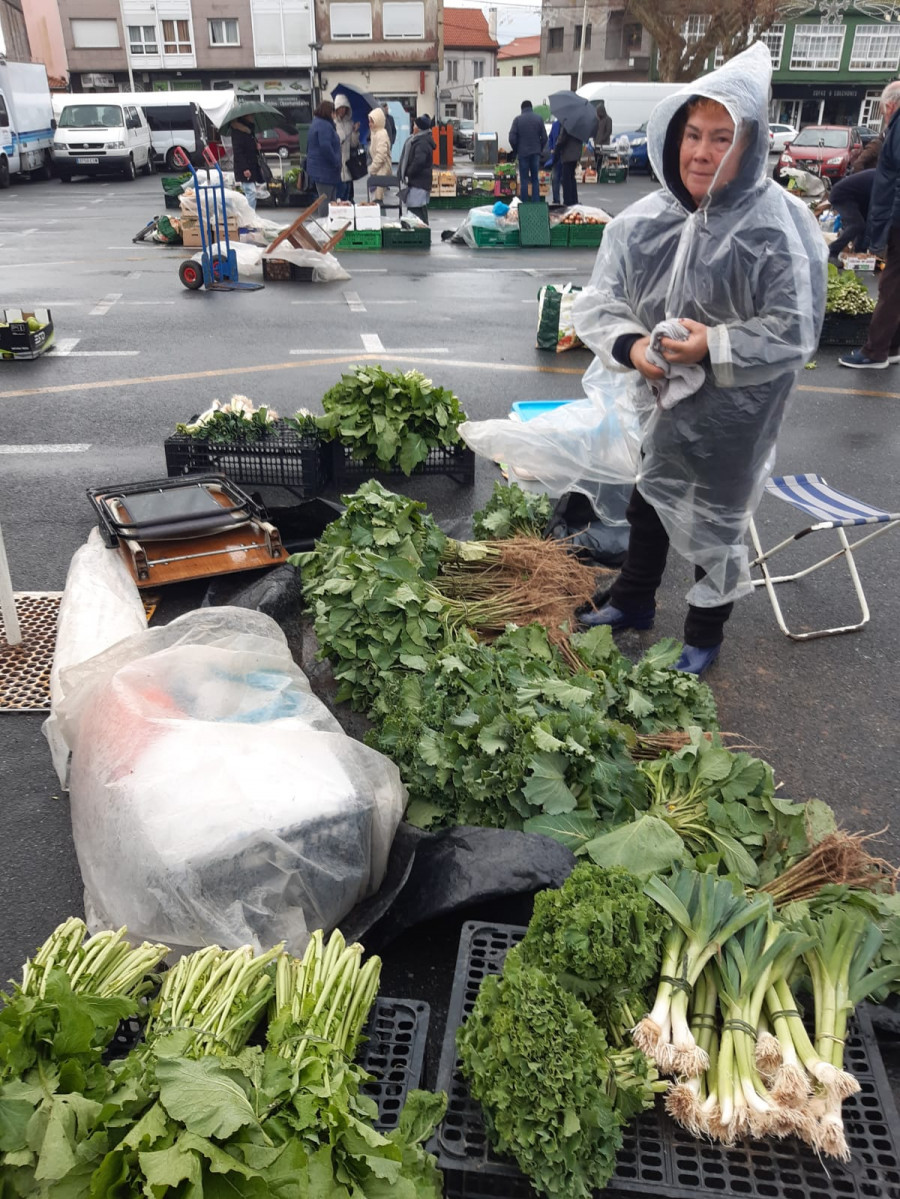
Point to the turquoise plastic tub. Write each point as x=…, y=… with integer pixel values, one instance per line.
x=529, y=409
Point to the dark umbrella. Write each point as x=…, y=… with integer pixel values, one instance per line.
x=265, y=116
x=361, y=104
x=576, y=115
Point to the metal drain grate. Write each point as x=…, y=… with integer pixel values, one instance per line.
x=25, y=668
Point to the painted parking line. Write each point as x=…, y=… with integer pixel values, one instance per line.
x=350, y=350
x=372, y=343
x=105, y=304
x=322, y=303
x=353, y=302
x=63, y=346
x=75, y=447
x=15, y=266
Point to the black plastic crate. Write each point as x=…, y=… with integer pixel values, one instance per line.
x=457, y=464
x=838, y=330
x=394, y=1054
x=279, y=270
x=657, y=1157
x=280, y=459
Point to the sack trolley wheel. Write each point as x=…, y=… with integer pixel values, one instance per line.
x=191, y=275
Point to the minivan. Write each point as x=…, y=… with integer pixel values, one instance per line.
x=101, y=139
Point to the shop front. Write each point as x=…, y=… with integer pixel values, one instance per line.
x=800, y=104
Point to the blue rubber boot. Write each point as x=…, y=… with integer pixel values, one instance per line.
x=696, y=659
x=616, y=618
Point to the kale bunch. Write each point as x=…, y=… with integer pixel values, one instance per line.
x=511, y=512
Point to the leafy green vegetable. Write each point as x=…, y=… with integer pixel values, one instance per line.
x=236, y=421
x=511, y=512
x=537, y=1062
x=847, y=294
x=395, y=418
x=645, y=845
x=601, y=937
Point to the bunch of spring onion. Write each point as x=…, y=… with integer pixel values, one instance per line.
x=320, y=1004
x=104, y=965
x=218, y=995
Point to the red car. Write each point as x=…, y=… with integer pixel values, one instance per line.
x=826, y=150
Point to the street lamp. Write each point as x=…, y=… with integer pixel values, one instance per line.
x=314, y=48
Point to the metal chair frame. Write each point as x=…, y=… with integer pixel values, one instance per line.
x=885, y=520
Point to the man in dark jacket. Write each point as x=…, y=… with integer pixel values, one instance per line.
x=882, y=348
x=389, y=123
x=568, y=153
x=528, y=137
x=604, y=125
x=850, y=198
x=245, y=156
x=416, y=163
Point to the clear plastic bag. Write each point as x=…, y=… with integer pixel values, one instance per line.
x=214, y=798
x=582, y=446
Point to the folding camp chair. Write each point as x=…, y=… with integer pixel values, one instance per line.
x=833, y=510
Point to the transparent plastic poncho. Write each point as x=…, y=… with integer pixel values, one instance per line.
x=750, y=263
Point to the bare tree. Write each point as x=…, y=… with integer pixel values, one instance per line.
x=731, y=25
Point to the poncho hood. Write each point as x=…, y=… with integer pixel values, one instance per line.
x=376, y=118
x=742, y=87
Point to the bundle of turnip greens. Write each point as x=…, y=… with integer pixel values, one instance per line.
x=194, y=1109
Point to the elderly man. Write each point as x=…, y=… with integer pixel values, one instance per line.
x=882, y=348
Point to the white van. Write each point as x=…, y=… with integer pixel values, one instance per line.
x=94, y=138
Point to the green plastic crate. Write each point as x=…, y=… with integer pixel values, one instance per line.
x=585, y=235
x=406, y=239
x=359, y=239
x=613, y=175
x=559, y=235
x=493, y=237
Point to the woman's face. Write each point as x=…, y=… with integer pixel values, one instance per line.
x=341, y=112
x=706, y=143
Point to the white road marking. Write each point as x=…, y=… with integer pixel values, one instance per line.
x=99, y=200
x=370, y=270
x=372, y=343
x=103, y=353
x=77, y=447
x=15, y=266
x=354, y=303
x=133, y=275
x=375, y=349
x=320, y=303
x=64, y=345
x=145, y=302
x=25, y=232
x=105, y=304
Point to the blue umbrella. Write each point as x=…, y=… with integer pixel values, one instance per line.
x=361, y=104
x=576, y=115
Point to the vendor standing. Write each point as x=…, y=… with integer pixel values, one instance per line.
x=245, y=156
x=416, y=167
x=736, y=268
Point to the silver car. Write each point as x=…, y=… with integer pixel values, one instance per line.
x=780, y=136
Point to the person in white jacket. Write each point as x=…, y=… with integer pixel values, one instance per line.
x=348, y=132
x=739, y=264
x=379, y=151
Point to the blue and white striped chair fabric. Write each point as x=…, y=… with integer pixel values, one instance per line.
x=831, y=510
x=825, y=504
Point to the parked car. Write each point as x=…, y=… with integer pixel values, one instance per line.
x=464, y=134
x=780, y=136
x=825, y=150
x=273, y=141
x=867, y=134
x=637, y=139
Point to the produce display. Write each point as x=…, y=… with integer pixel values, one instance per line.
x=847, y=295
x=511, y=512
x=194, y=1109
x=238, y=420
x=578, y=218
x=393, y=418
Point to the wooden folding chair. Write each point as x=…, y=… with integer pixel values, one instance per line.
x=832, y=511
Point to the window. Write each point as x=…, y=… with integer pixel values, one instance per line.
x=817, y=47
x=177, y=37
x=632, y=39
x=555, y=38
x=870, y=113
x=4, y=115
x=223, y=31
x=449, y=110
x=280, y=34
x=774, y=39
x=142, y=39
x=875, y=48
x=468, y=107
x=403, y=20
x=528, y=70
x=478, y=68
x=94, y=35
x=451, y=66
x=168, y=118
x=694, y=27
x=350, y=21
x=587, y=40
x=514, y=70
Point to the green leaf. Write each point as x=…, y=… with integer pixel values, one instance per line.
x=545, y=787
x=645, y=846
x=573, y=829
x=14, y=1117
x=204, y=1097
x=167, y=1168
x=421, y=1114
x=423, y=815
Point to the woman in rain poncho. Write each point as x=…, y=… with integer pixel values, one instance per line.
x=737, y=268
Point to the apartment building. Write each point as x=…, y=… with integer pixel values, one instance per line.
x=609, y=45
x=470, y=53
x=521, y=56
x=13, y=32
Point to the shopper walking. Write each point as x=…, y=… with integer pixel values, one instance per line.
x=348, y=134
x=528, y=140
x=245, y=157
x=416, y=165
x=323, y=153
x=379, y=151
x=882, y=348
x=711, y=292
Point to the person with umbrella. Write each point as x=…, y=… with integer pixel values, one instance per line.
x=527, y=138
x=578, y=119
x=245, y=157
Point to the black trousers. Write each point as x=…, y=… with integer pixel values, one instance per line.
x=642, y=572
x=853, y=229
x=884, y=328
x=569, y=186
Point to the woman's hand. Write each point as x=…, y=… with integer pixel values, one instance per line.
x=685, y=353
x=247, y=174
x=639, y=360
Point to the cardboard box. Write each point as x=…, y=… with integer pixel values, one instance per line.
x=17, y=340
x=590, y=176
x=190, y=232
x=448, y=179
x=368, y=216
x=340, y=216
x=858, y=262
